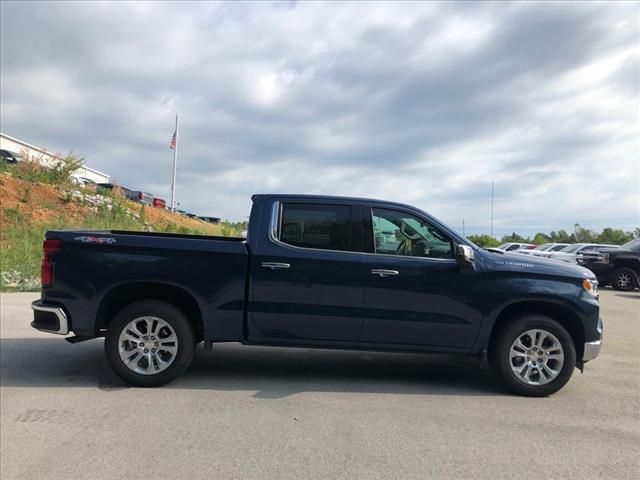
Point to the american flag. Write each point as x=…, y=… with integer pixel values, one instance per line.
x=172, y=144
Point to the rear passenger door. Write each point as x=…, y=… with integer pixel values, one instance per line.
x=306, y=279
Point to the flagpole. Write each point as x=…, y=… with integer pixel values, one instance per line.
x=175, y=161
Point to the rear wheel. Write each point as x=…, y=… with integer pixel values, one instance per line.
x=624, y=279
x=533, y=356
x=149, y=343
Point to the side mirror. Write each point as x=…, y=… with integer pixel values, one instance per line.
x=465, y=257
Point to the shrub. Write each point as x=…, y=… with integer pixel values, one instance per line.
x=34, y=170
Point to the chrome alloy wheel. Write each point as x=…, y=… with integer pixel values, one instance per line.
x=536, y=357
x=623, y=279
x=148, y=345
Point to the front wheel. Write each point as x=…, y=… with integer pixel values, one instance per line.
x=624, y=279
x=149, y=343
x=533, y=356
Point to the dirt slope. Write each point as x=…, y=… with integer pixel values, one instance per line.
x=40, y=203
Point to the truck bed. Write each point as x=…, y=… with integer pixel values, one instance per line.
x=92, y=264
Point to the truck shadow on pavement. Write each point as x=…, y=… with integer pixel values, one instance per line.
x=628, y=295
x=271, y=372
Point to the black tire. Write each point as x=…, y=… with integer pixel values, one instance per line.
x=169, y=314
x=624, y=279
x=499, y=355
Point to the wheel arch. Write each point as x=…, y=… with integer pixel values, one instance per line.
x=632, y=263
x=563, y=314
x=127, y=293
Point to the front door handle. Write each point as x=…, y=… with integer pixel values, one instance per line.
x=384, y=273
x=275, y=265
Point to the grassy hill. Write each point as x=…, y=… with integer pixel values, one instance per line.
x=34, y=200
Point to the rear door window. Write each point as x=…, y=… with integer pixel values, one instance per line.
x=324, y=227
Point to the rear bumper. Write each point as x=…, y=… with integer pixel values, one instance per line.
x=50, y=318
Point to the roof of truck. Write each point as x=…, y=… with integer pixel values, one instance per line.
x=329, y=198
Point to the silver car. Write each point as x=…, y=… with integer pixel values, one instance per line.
x=570, y=254
x=545, y=247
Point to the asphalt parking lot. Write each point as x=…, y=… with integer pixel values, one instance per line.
x=257, y=413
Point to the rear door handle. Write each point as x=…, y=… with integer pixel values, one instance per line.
x=384, y=273
x=275, y=265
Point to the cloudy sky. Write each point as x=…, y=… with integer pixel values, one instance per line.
x=424, y=103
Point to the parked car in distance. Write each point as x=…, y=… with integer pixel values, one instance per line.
x=619, y=267
x=570, y=254
x=159, y=202
x=115, y=189
x=7, y=156
x=311, y=275
x=510, y=247
x=87, y=183
x=545, y=247
x=214, y=220
x=142, y=197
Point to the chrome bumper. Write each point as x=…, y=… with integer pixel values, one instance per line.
x=59, y=327
x=591, y=350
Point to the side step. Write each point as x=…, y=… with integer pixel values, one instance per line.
x=76, y=339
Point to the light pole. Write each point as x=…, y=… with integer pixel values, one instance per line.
x=174, y=145
x=492, y=208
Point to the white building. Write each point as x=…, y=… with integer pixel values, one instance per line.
x=31, y=152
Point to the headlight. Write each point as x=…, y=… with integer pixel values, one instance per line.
x=591, y=286
x=604, y=258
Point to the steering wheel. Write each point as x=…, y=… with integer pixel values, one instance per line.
x=401, y=247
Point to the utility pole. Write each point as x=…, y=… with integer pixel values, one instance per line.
x=492, y=208
x=463, y=234
x=175, y=162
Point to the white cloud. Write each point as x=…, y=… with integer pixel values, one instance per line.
x=420, y=102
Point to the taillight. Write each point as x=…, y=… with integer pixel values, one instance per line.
x=46, y=273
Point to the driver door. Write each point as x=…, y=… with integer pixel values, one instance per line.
x=415, y=293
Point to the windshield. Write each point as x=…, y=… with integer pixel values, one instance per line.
x=543, y=247
x=632, y=245
x=503, y=246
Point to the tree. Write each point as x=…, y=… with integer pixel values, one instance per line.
x=514, y=237
x=584, y=235
x=484, y=241
x=615, y=237
x=541, y=238
x=561, y=236
x=580, y=235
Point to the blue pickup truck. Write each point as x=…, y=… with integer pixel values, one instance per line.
x=322, y=272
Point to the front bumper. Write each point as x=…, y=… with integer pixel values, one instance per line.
x=50, y=318
x=591, y=350
x=601, y=270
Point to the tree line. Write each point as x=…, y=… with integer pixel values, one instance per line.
x=580, y=234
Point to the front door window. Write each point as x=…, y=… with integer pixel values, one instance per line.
x=400, y=233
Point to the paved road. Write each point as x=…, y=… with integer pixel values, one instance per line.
x=260, y=413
